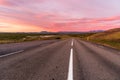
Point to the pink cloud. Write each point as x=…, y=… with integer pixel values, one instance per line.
x=86, y=24
x=18, y=2
x=60, y=15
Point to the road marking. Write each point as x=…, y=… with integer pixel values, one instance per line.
x=72, y=43
x=70, y=70
x=11, y=53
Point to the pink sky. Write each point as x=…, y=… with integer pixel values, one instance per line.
x=58, y=15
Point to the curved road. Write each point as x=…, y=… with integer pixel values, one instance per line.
x=70, y=59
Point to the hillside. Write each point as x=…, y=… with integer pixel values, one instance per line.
x=112, y=34
x=110, y=38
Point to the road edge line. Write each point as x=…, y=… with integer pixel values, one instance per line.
x=11, y=53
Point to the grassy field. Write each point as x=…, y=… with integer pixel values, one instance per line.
x=22, y=37
x=109, y=38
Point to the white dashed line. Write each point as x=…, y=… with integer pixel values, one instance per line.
x=70, y=68
x=72, y=43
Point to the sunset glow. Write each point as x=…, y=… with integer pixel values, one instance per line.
x=58, y=15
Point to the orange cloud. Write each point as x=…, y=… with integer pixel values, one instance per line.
x=52, y=22
x=18, y=28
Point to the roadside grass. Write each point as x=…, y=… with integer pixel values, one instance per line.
x=15, y=36
x=110, y=43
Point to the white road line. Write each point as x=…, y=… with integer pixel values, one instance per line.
x=72, y=42
x=11, y=53
x=70, y=70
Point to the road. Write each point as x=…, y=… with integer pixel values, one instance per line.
x=70, y=59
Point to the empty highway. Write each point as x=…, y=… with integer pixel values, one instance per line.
x=70, y=59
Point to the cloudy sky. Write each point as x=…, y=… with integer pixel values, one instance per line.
x=58, y=15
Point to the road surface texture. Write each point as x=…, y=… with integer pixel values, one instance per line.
x=13, y=47
x=70, y=59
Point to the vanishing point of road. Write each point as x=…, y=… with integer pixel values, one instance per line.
x=71, y=59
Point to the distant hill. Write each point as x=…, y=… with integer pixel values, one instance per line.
x=70, y=32
x=111, y=34
x=96, y=31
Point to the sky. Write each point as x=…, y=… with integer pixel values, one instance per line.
x=58, y=15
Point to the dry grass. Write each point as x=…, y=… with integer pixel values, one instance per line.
x=109, y=38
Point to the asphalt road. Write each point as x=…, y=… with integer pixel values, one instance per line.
x=71, y=59
x=14, y=47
